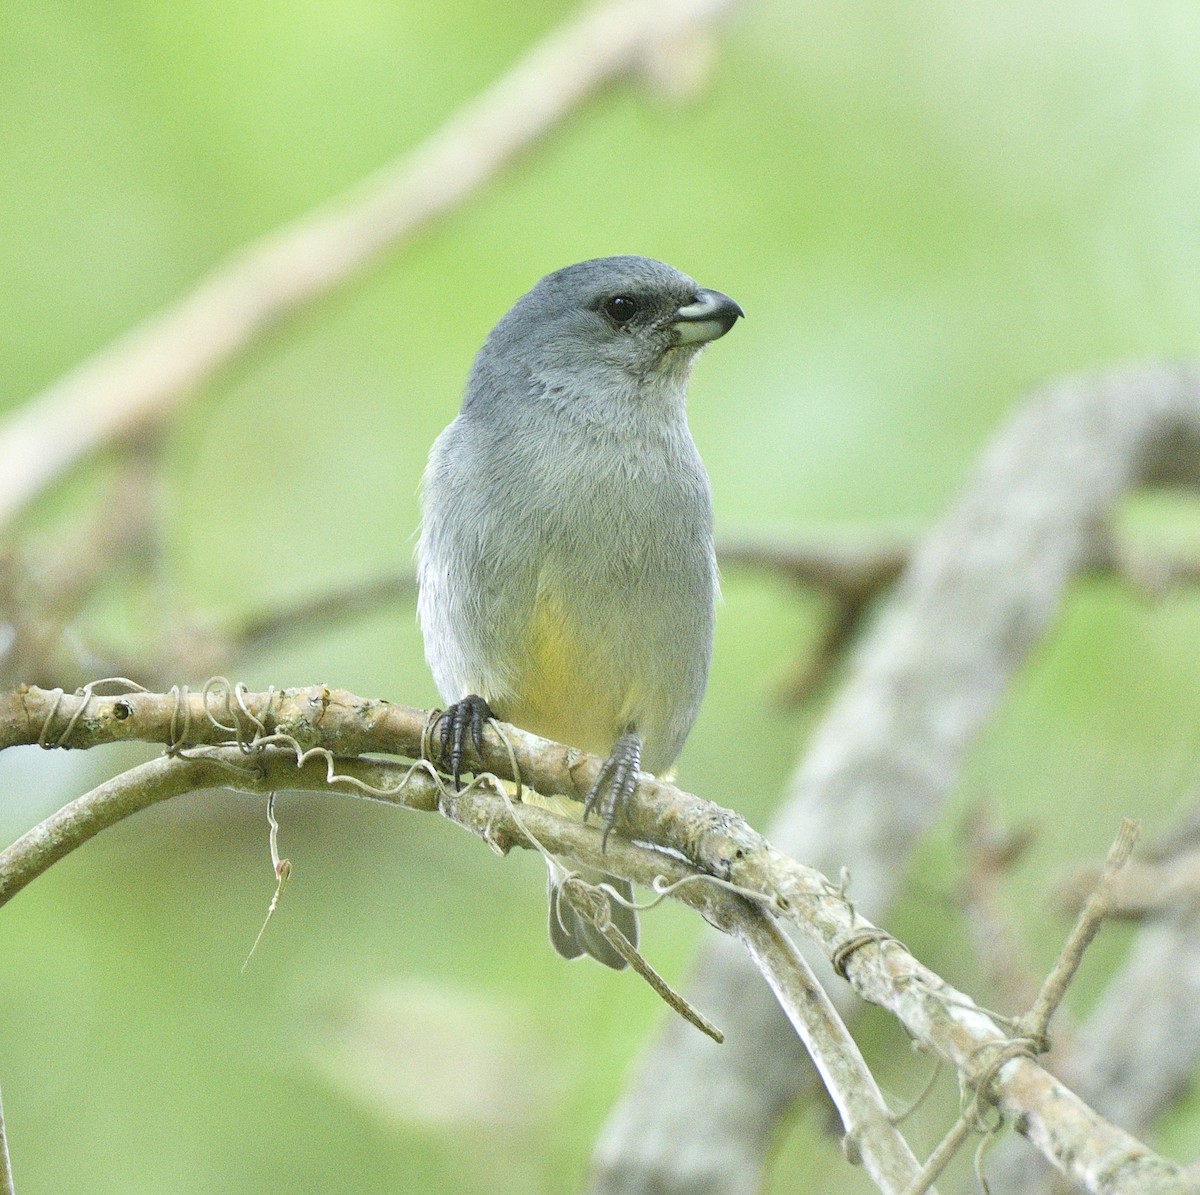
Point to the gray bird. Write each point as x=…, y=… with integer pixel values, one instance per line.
x=566, y=568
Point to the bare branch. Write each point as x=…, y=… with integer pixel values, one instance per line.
x=43, y=587
x=6, y=1177
x=1136, y=1054
x=861, y=567
x=877, y=1143
x=979, y=593
x=854, y=572
x=1036, y=1021
x=1149, y=887
x=298, y=738
x=946, y=1150
x=871, y=1135
x=853, y=567
x=143, y=378
x=850, y=573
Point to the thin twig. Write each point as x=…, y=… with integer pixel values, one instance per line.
x=584, y=903
x=1147, y=888
x=143, y=378
x=317, y=613
x=593, y=902
x=1036, y=1021
x=946, y=1150
x=6, y=1177
x=1134, y=1057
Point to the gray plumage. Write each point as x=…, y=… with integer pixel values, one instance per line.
x=566, y=563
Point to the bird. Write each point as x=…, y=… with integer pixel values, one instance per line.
x=567, y=579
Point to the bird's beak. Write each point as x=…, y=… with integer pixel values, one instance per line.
x=708, y=318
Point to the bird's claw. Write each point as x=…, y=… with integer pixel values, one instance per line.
x=614, y=786
x=460, y=721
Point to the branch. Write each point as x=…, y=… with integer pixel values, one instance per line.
x=854, y=568
x=1036, y=1022
x=1164, y=879
x=854, y=573
x=1136, y=1055
x=269, y=769
x=859, y=568
x=871, y=1136
x=977, y=596
x=299, y=738
x=851, y=574
x=141, y=380
x=44, y=586
x=6, y=1178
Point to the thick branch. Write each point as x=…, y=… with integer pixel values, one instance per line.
x=715, y=841
x=142, y=379
x=877, y=1142
x=978, y=595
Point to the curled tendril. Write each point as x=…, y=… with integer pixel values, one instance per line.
x=1006, y=1049
x=181, y=719
x=86, y=693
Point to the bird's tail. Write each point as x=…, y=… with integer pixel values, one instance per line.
x=572, y=934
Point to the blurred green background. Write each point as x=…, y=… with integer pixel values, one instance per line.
x=924, y=208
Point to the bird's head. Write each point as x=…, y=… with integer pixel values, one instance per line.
x=613, y=330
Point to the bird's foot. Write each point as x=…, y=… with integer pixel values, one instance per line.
x=464, y=719
x=615, y=782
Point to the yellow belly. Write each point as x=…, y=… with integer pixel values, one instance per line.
x=565, y=690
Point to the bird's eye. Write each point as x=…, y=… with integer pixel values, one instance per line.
x=620, y=309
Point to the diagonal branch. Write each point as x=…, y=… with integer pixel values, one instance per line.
x=300, y=738
x=979, y=594
x=871, y=1135
x=143, y=378
x=269, y=769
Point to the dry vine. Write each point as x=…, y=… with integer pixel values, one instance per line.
x=312, y=738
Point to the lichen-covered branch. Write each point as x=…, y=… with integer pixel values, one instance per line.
x=977, y=596
x=300, y=738
x=272, y=768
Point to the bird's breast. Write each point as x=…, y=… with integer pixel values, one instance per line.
x=619, y=629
